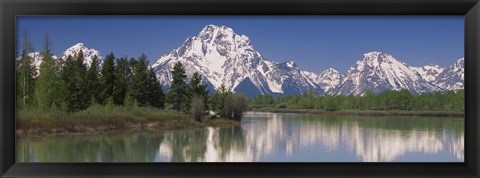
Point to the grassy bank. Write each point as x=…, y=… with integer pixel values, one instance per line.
x=107, y=118
x=363, y=112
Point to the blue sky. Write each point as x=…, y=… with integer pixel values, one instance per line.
x=313, y=42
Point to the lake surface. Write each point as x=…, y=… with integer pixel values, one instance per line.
x=267, y=137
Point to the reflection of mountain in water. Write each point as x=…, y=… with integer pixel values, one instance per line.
x=369, y=139
x=266, y=137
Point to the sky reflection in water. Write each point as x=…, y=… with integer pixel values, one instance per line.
x=267, y=137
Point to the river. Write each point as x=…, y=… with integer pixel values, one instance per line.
x=266, y=137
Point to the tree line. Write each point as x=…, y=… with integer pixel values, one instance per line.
x=386, y=100
x=72, y=85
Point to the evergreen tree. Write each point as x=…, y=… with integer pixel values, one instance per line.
x=77, y=91
x=93, y=79
x=177, y=95
x=218, y=99
x=139, y=90
x=129, y=98
x=48, y=84
x=26, y=74
x=196, y=88
x=74, y=75
x=108, y=79
x=120, y=85
x=68, y=76
x=83, y=94
x=156, y=96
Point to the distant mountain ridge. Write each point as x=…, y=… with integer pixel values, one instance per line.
x=73, y=51
x=223, y=57
x=379, y=71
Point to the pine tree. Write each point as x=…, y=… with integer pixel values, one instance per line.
x=107, y=79
x=48, y=84
x=83, y=94
x=93, y=79
x=129, y=98
x=140, y=81
x=156, y=96
x=177, y=95
x=218, y=99
x=196, y=88
x=74, y=75
x=120, y=85
x=68, y=76
x=26, y=74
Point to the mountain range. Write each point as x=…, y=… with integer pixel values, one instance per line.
x=223, y=57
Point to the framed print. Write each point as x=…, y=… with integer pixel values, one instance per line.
x=251, y=88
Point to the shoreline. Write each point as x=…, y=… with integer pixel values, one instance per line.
x=106, y=119
x=147, y=126
x=94, y=124
x=363, y=112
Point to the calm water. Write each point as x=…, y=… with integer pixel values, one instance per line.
x=267, y=137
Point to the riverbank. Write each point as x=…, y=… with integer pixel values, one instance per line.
x=108, y=118
x=363, y=112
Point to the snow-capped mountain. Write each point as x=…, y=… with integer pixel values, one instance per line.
x=328, y=80
x=88, y=54
x=223, y=57
x=429, y=72
x=452, y=77
x=36, y=60
x=379, y=71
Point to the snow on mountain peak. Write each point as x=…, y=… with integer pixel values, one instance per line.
x=225, y=58
x=78, y=46
x=289, y=64
x=380, y=71
x=431, y=65
x=88, y=54
x=377, y=57
x=329, y=80
x=429, y=72
x=374, y=54
x=212, y=32
x=330, y=70
x=37, y=60
x=452, y=78
x=460, y=63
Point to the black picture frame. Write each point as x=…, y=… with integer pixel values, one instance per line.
x=11, y=8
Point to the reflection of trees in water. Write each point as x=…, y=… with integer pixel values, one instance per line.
x=230, y=139
x=137, y=147
x=368, y=138
x=375, y=140
x=457, y=146
x=210, y=144
x=186, y=145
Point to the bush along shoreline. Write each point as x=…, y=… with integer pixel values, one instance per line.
x=362, y=112
x=99, y=118
x=388, y=102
